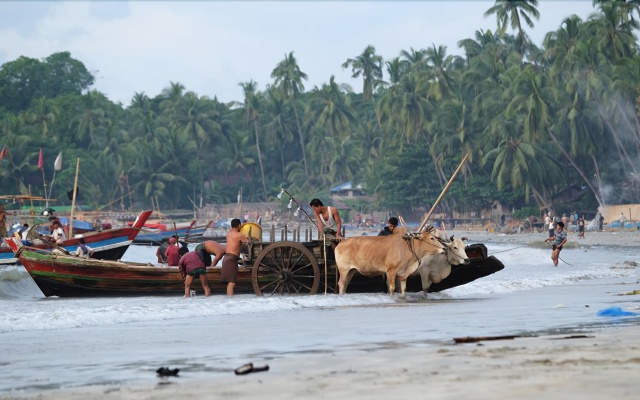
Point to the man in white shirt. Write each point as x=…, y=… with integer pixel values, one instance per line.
x=83, y=250
x=58, y=233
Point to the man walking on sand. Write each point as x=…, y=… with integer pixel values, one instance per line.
x=559, y=239
x=235, y=240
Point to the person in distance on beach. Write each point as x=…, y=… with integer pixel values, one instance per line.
x=235, y=240
x=388, y=230
x=581, y=227
x=559, y=239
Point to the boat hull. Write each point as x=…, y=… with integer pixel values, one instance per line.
x=67, y=276
x=110, y=244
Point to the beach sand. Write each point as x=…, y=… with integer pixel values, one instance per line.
x=603, y=365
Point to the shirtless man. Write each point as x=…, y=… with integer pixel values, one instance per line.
x=235, y=240
x=328, y=219
x=211, y=248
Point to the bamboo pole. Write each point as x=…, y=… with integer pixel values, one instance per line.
x=444, y=191
x=44, y=184
x=73, y=201
x=129, y=189
x=30, y=198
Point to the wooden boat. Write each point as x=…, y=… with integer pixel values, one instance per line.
x=152, y=234
x=70, y=276
x=109, y=244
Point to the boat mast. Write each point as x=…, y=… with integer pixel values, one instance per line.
x=73, y=201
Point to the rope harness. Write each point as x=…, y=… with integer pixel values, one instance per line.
x=410, y=237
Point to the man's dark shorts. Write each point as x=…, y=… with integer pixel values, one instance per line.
x=204, y=256
x=556, y=247
x=197, y=272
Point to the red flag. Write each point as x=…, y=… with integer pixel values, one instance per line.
x=40, y=160
x=3, y=152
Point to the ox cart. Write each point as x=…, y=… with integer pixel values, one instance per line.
x=309, y=267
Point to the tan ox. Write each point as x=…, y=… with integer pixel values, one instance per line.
x=396, y=255
x=435, y=269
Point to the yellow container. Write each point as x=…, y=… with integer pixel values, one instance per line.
x=251, y=229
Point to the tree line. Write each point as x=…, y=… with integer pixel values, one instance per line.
x=544, y=125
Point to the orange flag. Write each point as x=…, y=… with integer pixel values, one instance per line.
x=40, y=160
x=3, y=152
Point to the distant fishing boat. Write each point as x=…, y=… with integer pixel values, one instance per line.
x=108, y=244
x=153, y=233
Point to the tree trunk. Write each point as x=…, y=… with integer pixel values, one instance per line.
x=621, y=150
x=264, y=186
x=577, y=168
x=304, y=154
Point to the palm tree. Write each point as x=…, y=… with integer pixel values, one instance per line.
x=288, y=77
x=251, y=113
x=514, y=11
x=369, y=65
x=44, y=114
x=614, y=32
x=278, y=132
x=193, y=115
x=440, y=82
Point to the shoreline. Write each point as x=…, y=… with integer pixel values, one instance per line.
x=612, y=237
x=600, y=364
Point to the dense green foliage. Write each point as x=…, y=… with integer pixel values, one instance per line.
x=536, y=121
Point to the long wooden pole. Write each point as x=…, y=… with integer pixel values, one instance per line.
x=44, y=184
x=73, y=201
x=30, y=198
x=444, y=191
x=129, y=189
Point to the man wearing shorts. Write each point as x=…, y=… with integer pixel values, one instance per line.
x=191, y=266
x=235, y=239
x=559, y=239
x=209, y=248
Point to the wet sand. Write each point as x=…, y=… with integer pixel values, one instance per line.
x=603, y=365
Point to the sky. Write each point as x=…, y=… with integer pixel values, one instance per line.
x=212, y=46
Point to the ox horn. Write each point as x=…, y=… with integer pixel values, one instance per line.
x=451, y=238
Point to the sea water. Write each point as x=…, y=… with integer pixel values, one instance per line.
x=69, y=342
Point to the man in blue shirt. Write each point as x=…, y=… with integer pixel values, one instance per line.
x=559, y=239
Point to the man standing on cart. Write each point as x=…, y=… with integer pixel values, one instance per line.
x=329, y=222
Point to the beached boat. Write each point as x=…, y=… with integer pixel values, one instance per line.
x=70, y=276
x=153, y=234
x=108, y=244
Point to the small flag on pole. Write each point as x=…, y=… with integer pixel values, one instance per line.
x=3, y=152
x=57, y=165
x=40, y=160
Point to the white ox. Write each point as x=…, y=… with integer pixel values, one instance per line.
x=435, y=269
x=396, y=255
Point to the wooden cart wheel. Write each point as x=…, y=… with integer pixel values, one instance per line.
x=285, y=268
